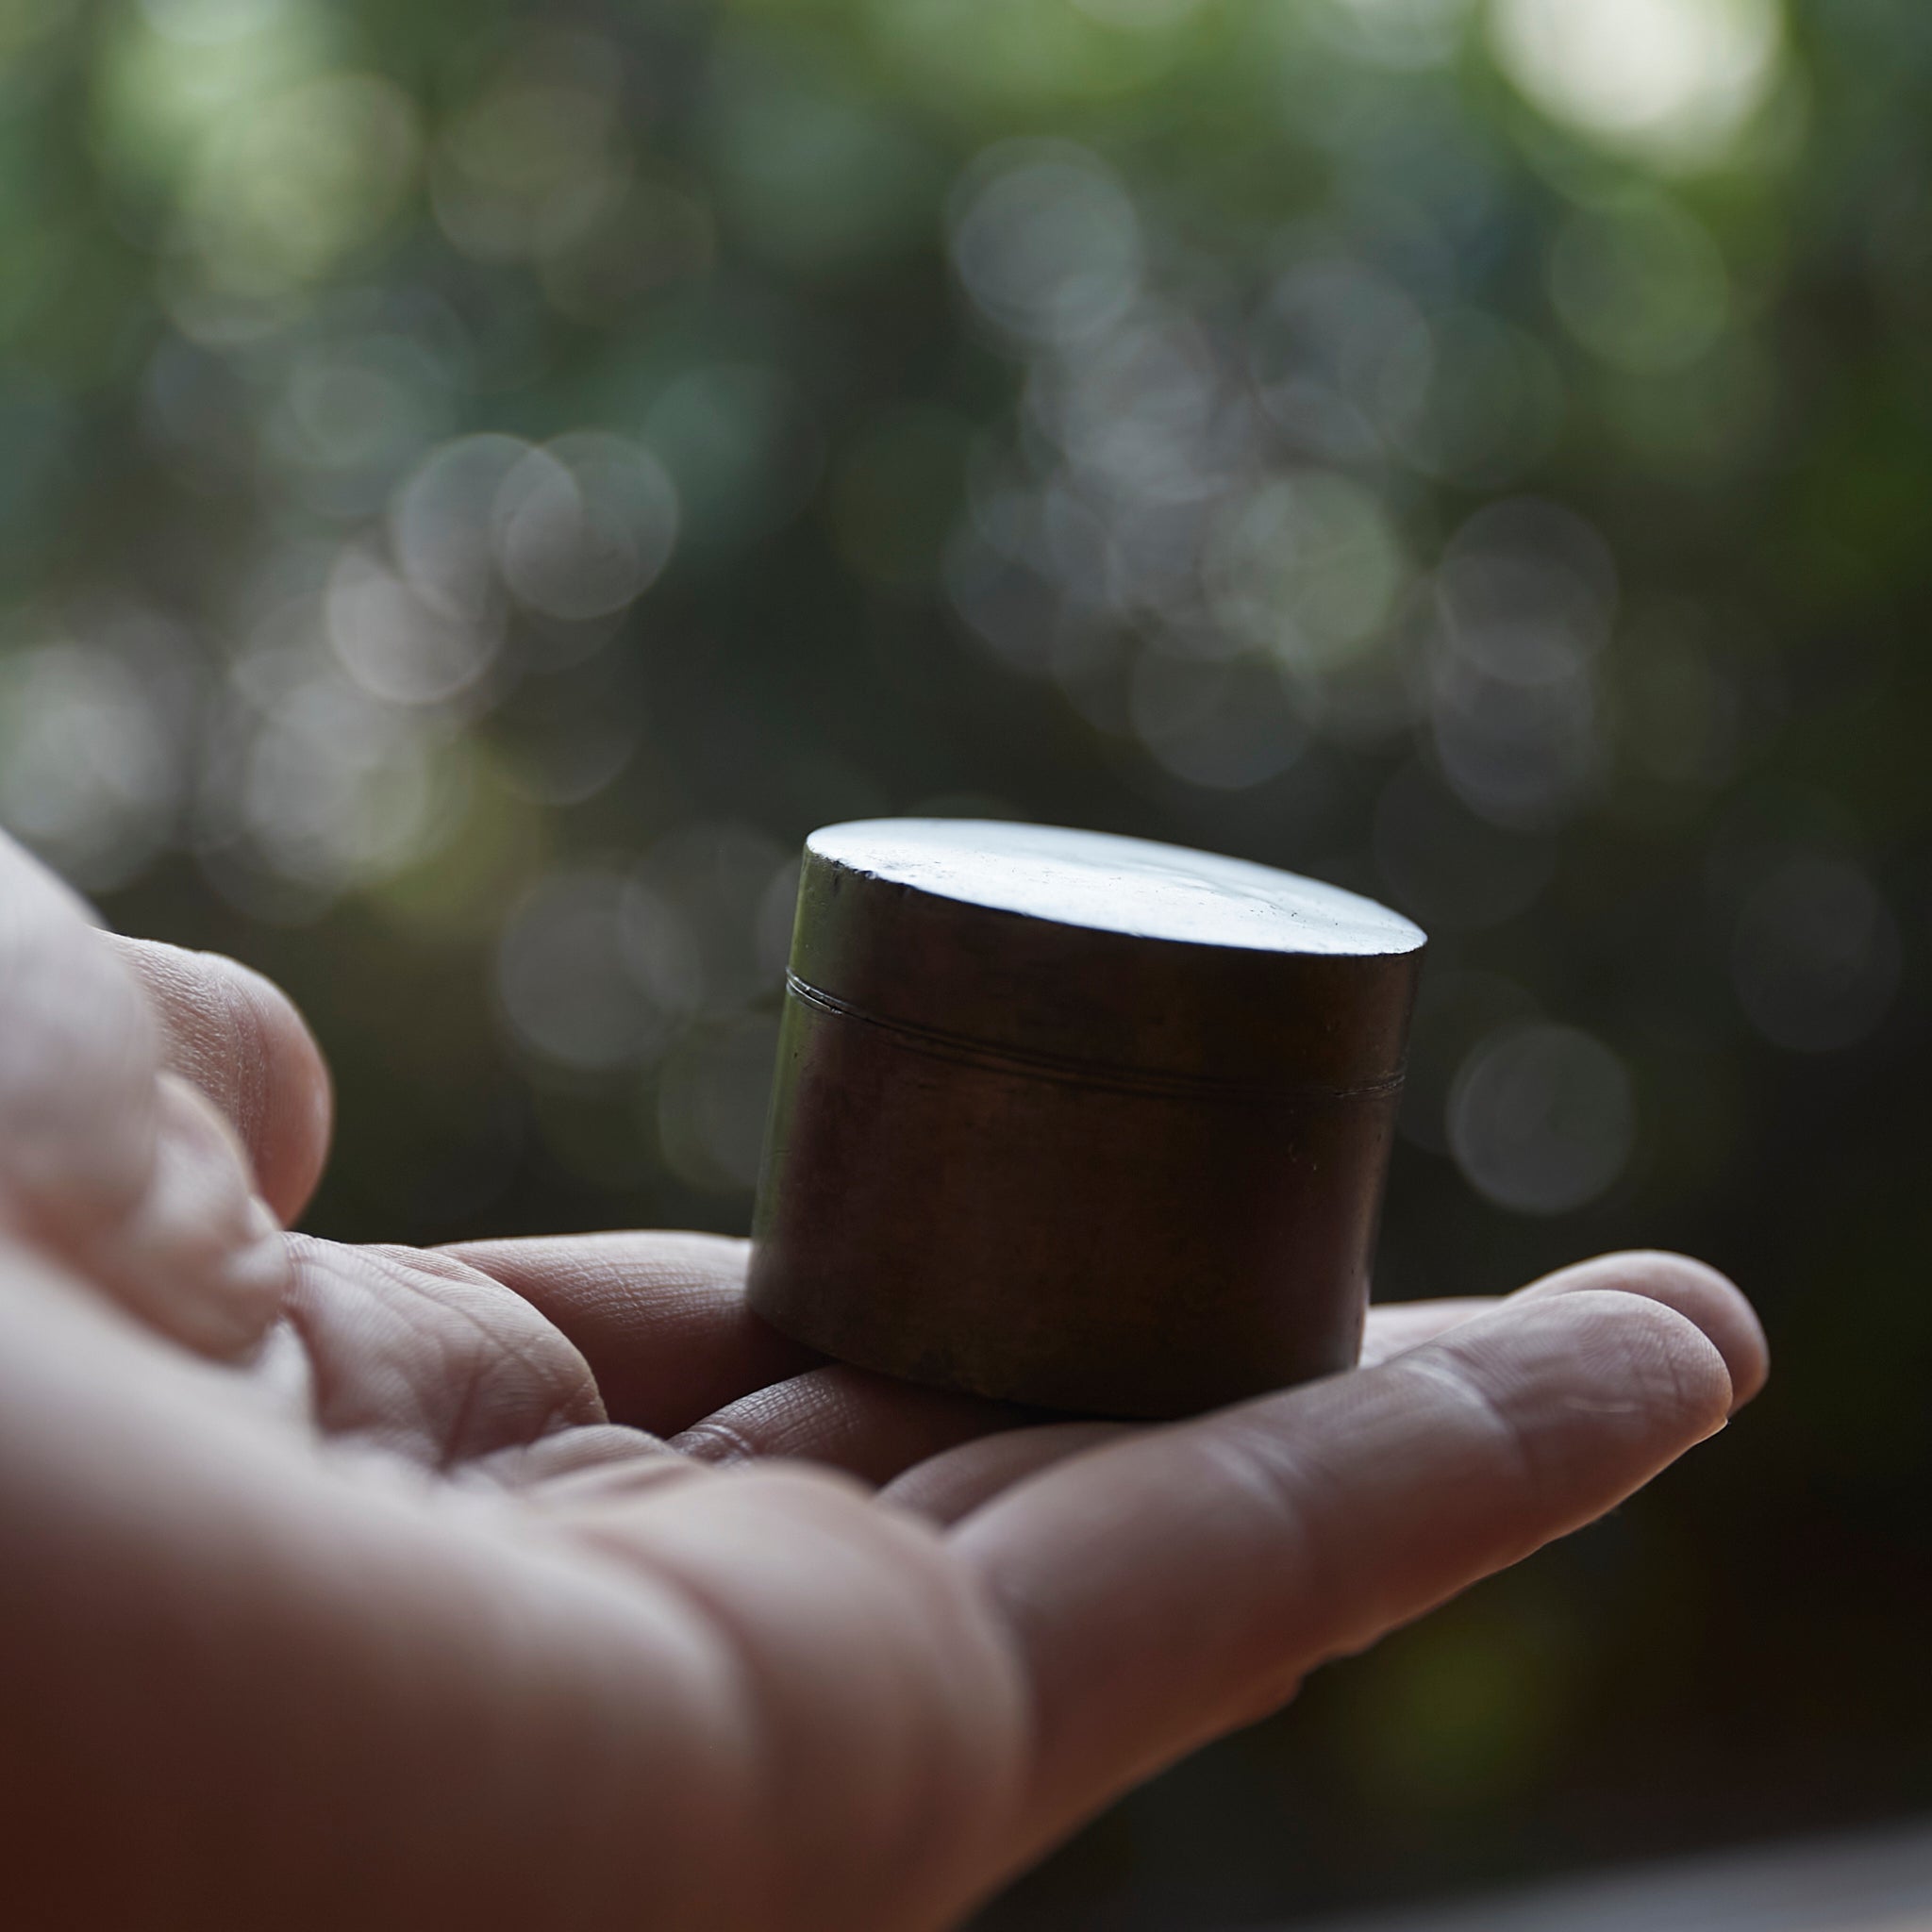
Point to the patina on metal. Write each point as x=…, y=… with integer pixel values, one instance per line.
x=1076, y=1121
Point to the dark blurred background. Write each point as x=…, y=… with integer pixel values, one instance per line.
x=480, y=481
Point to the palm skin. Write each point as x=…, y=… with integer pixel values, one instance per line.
x=537, y=1584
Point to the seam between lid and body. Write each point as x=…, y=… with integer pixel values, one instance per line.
x=1071, y=1070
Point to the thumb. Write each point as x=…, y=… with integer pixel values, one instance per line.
x=238, y=1039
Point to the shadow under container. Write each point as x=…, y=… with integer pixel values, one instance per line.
x=1078, y=1121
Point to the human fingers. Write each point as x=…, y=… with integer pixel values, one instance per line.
x=661, y=1319
x=121, y=1170
x=1183, y=1580
x=943, y=1454
x=955, y=1482
x=1395, y=1326
x=871, y=1426
x=662, y=1322
x=1694, y=1288
x=951, y=1483
x=958, y=1479
x=238, y=1038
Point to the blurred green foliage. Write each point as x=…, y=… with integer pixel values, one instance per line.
x=477, y=483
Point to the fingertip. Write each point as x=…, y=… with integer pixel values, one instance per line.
x=1694, y=1289
x=237, y=1037
x=288, y=1096
x=660, y=1318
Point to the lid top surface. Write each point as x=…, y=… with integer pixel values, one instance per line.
x=1108, y=884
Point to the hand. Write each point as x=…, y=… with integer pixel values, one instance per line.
x=535, y=1582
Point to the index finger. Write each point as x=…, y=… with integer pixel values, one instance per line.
x=1180, y=1582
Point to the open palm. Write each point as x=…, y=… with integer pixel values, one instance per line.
x=537, y=1584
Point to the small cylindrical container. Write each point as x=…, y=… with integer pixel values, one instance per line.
x=1075, y=1121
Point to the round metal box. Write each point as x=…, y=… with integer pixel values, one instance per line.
x=1077, y=1120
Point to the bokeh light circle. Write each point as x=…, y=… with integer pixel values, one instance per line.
x=1047, y=242
x=1541, y=1118
x=1816, y=959
x=1673, y=80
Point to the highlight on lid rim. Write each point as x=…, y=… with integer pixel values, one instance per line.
x=1103, y=883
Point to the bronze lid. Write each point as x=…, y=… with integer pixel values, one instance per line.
x=1106, y=958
